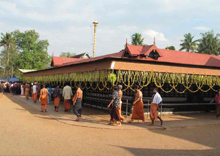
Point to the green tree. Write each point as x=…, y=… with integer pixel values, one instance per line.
x=188, y=43
x=33, y=51
x=7, y=41
x=13, y=63
x=136, y=39
x=171, y=48
x=210, y=43
x=67, y=54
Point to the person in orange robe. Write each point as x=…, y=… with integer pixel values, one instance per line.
x=34, y=92
x=56, y=95
x=77, y=102
x=138, y=111
x=27, y=89
x=120, y=100
x=43, y=98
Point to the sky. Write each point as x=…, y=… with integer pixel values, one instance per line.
x=67, y=24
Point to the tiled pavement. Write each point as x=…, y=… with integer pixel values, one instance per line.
x=97, y=119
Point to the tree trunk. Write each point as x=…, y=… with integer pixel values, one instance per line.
x=8, y=60
x=12, y=71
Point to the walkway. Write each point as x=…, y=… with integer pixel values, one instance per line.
x=96, y=119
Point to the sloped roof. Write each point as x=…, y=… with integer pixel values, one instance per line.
x=114, y=55
x=166, y=56
x=138, y=50
x=26, y=70
x=168, y=61
x=59, y=61
x=80, y=55
x=177, y=57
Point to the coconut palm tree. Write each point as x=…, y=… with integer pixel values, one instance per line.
x=136, y=39
x=210, y=43
x=7, y=41
x=188, y=44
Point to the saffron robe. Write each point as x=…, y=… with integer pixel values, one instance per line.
x=43, y=92
x=138, y=111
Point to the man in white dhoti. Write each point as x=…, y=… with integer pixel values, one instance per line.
x=22, y=89
x=34, y=93
x=156, y=100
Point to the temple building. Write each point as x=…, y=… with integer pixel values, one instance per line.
x=59, y=61
x=187, y=81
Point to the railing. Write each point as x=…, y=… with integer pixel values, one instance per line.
x=102, y=102
x=161, y=106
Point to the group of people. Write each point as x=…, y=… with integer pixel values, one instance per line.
x=138, y=110
x=46, y=92
x=116, y=119
x=12, y=87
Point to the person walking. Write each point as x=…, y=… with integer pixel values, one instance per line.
x=34, y=92
x=67, y=94
x=43, y=98
x=217, y=102
x=120, y=100
x=138, y=110
x=56, y=96
x=154, y=107
x=77, y=102
x=114, y=112
x=50, y=93
x=27, y=90
x=22, y=89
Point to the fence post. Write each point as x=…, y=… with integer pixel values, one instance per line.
x=126, y=107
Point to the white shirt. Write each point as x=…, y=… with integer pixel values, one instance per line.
x=34, y=89
x=67, y=92
x=157, y=99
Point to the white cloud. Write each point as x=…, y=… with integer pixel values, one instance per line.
x=171, y=5
x=202, y=28
x=117, y=12
x=152, y=33
x=60, y=14
x=11, y=7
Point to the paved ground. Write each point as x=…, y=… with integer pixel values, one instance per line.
x=97, y=119
x=26, y=131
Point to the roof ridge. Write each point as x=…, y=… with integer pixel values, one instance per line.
x=190, y=52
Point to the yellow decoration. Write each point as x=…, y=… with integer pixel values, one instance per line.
x=99, y=80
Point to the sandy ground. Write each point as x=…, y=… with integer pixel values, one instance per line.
x=26, y=131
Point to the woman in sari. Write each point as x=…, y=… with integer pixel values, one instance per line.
x=27, y=90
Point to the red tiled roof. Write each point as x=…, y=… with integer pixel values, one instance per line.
x=59, y=61
x=114, y=55
x=137, y=50
x=140, y=53
x=166, y=56
x=178, y=57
